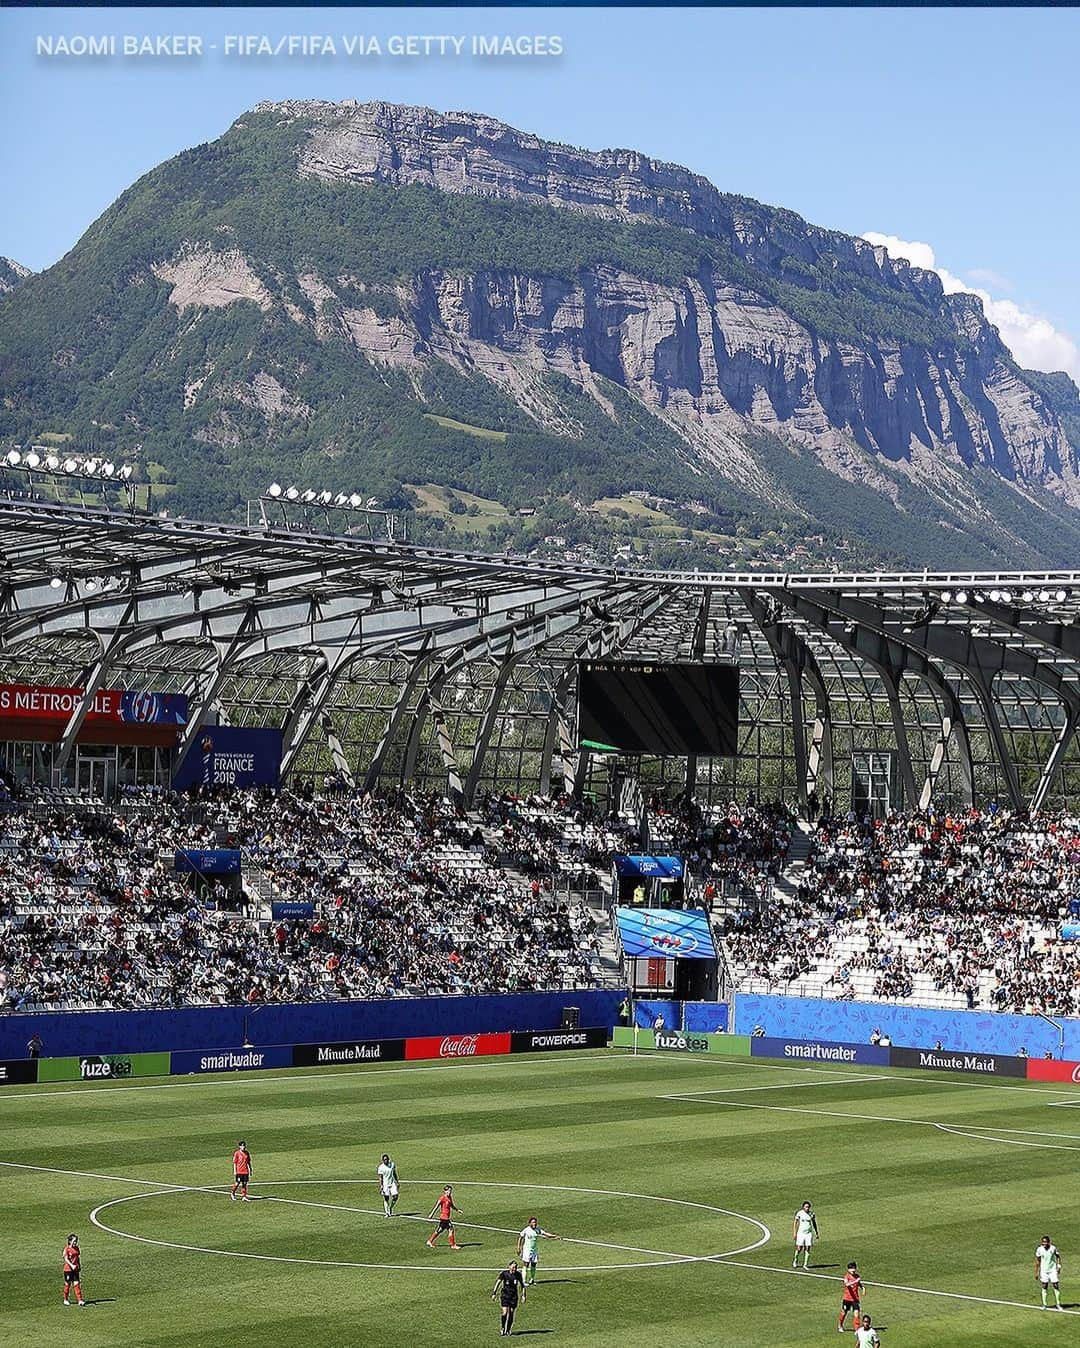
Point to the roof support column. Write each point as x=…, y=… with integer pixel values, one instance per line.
x=697, y=652
x=487, y=727
x=93, y=682
x=307, y=710
x=1057, y=756
x=393, y=721
x=226, y=659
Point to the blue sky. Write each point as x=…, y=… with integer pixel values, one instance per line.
x=957, y=129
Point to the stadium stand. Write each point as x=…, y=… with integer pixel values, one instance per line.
x=957, y=911
x=93, y=914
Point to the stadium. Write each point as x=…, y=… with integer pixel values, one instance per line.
x=649, y=903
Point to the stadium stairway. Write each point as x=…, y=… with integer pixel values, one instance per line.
x=787, y=882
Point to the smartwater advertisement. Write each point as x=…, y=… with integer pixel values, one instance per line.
x=231, y=1060
x=814, y=1051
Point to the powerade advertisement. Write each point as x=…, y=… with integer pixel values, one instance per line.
x=18, y=1072
x=671, y=933
x=236, y=756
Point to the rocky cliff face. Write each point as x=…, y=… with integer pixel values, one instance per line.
x=305, y=289
x=11, y=274
x=709, y=357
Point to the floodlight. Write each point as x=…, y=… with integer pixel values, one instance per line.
x=325, y=497
x=52, y=463
x=356, y=500
x=126, y=471
x=1028, y=596
x=341, y=499
x=946, y=596
x=292, y=493
x=70, y=465
x=961, y=596
x=274, y=489
x=372, y=501
x=91, y=585
x=33, y=460
x=1006, y=596
x=1044, y=596
x=90, y=466
x=108, y=469
x=1060, y=596
x=56, y=582
x=14, y=458
x=308, y=495
x=995, y=596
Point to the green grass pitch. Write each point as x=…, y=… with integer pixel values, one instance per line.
x=665, y=1170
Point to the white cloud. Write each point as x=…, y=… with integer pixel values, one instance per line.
x=1034, y=341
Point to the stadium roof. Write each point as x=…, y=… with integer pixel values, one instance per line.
x=970, y=681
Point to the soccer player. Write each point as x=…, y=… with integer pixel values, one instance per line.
x=528, y=1247
x=1048, y=1270
x=508, y=1286
x=242, y=1169
x=388, y=1183
x=804, y=1231
x=866, y=1336
x=445, y=1207
x=851, y=1297
x=73, y=1270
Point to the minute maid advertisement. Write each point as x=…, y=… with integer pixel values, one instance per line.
x=225, y=755
x=665, y=933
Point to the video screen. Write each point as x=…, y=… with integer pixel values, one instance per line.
x=643, y=708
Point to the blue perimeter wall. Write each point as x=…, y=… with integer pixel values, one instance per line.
x=907, y=1026
x=69, y=1033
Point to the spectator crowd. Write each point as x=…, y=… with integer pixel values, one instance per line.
x=963, y=909
x=406, y=901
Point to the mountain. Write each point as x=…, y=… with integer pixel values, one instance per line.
x=445, y=311
x=11, y=274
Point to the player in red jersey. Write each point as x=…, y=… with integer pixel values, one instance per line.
x=444, y=1207
x=851, y=1297
x=73, y=1270
x=242, y=1168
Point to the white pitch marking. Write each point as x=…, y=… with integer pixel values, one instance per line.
x=284, y=1075
x=1008, y=1141
x=696, y=1097
x=668, y=1257
x=889, y=1286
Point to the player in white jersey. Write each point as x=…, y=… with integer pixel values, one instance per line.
x=1048, y=1270
x=804, y=1232
x=388, y=1184
x=866, y=1336
x=528, y=1248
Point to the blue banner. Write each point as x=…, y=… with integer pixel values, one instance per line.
x=231, y=1059
x=668, y=933
x=154, y=708
x=225, y=755
x=204, y=861
x=1071, y=931
x=648, y=868
x=291, y=908
x=815, y=1050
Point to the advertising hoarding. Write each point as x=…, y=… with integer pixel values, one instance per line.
x=671, y=933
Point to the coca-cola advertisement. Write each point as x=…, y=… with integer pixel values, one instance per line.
x=1047, y=1069
x=458, y=1046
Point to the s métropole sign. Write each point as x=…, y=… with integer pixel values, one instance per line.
x=114, y=716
